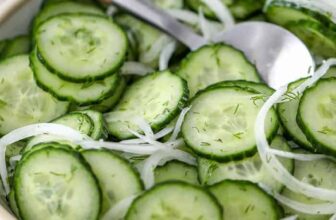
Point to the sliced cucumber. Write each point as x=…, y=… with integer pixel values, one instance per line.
x=258, y=87
x=99, y=126
x=22, y=102
x=78, y=121
x=81, y=47
x=16, y=46
x=250, y=169
x=245, y=200
x=220, y=123
x=56, y=183
x=287, y=112
x=317, y=116
x=117, y=178
x=12, y=203
x=63, y=7
x=176, y=170
x=80, y=93
x=215, y=63
x=158, y=98
x=175, y=200
x=110, y=102
x=319, y=173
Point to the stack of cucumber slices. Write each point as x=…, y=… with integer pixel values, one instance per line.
x=104, y=117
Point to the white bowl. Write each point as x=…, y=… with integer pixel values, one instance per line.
x=16, y=23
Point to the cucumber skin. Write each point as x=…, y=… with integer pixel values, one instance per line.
x=54, y=146
x=316, y=144
x=275, y=205
x=238, y=156
x=68, y=98
x=87, y=79
x=176, y=182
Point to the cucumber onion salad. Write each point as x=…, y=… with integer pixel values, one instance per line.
x=104, y=117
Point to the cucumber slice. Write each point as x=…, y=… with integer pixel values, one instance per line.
x=110, y=102
x=80, y=47
x=319, y=173
x=250, y=169
x=158, y=98
x=56, y=183
x=78, y=121
x=331, y=73
x=22, y=102
x=215, y=63
x=80, y=93
x=317, y=117
x=63, y=7
x=12, y=203
x=245, y=200
x=258, y=87
x=117, y=182
x=99, y=125
x=287, y=112
x=220, y=123
x=175, y=200
x=176, y=170
x=16, y=46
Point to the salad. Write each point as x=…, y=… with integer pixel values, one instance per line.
x=104, y=117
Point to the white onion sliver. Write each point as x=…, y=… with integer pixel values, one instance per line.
x=184, y=15
x=292, y=217
x=156, y=48
x=333, y=217
x=178, y=124
x=272, y=163
x=161, y=157
x=135, y=68
x=119, y=210
x=166, y=55
x=296, y=156
x=204, y=25
x=147, y=139
x=144, y=126
x=163, y=132
x=30, y=131
x=221, y=11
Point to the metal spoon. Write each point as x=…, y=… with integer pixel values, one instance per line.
x=280, y=56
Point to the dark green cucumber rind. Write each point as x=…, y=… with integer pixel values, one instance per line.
x=258, y=87
x=39, y=146
x=67, y=76
x=191, y=55
x=107, y=104
x=183, y=101
x=238, y=156
x=288, y=130
x=243, y=183
x=182, y=184
x=2, y=46
x=320, y=147
x=99, y=124
x=58, y=94
x=12, y=203
x=54, y=147
x=320, y=39
x=72, y=116
x=16, y=46
x=314, y=16
x=161, y=169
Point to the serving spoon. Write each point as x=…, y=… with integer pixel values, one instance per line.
x=279, y=56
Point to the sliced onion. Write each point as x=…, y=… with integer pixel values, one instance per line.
x=156, y=48
x=163, y=132
x=204, y=25
x=270, y=161
x=119, y=210
x=178, y=124
x=159, y=158
x=166, y=55
x=147, y=139
x=184, y=15
x=292, y=217
x=30, y=131
x=135, y=68
x=296, y=156
x=144, y=126
x=333, y=217
x=221, y=11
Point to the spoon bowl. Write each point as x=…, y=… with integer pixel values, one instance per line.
x=279, y=55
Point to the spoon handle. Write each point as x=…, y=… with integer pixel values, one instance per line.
x=161, y=20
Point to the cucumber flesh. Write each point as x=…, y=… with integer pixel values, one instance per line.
x=245, y=200
x=249, y=169
x=223, y=63
x=174, y=200
x=99, y=125
x=22, y=101
x=117, y=182
x=55, y=183
x=176, y=170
